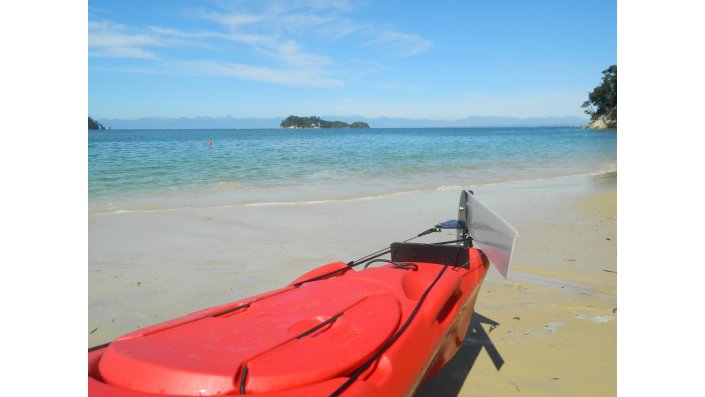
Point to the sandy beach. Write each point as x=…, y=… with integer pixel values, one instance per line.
x=550, y=329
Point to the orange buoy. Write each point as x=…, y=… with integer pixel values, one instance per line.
x=210, y=142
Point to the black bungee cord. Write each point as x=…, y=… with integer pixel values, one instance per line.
x=377, y=254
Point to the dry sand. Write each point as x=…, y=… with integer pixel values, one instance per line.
x=549, y=330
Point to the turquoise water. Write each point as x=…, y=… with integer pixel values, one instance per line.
x=133, y=170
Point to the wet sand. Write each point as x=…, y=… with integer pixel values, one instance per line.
x=550, y=329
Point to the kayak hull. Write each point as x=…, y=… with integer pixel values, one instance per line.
x=378, y=331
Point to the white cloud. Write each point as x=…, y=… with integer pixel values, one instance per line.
x=121, y=52
x=209, y=39
x=289, y=52
x=290, y=77
x=275, y=34
x=325, y=20
x=401, y=44
x=232, y=20
x=111, y=35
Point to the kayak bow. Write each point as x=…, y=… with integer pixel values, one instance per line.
x=377, y=331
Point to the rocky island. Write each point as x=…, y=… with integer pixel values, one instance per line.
x=317, y=122
x=94, y=125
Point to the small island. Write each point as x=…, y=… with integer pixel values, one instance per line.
x=317, y=122
x=94, y=125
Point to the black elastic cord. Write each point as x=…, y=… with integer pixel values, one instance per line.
x=353, y=377
x=226, y=311
x=397, y=265
x=243, y=377
x=460, y=240
x=407, y=266
x=319, y=326
x=311, y=330
x=357, y=262
x=385, y=251
x=90, y=349
x=373, y=255
x=326, y=275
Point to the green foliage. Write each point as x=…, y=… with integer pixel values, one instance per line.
x=94, y=125
x=317, y=122
x=359, y=124
x=603, y=99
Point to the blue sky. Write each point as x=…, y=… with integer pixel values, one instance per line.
x=440, y=60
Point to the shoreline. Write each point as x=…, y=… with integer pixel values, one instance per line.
x=225, y=195
x=148, y=267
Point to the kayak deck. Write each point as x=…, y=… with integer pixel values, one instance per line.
x=376, y=331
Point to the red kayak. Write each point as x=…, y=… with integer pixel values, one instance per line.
x=377, y=331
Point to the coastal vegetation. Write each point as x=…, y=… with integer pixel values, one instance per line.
x=317, y=122
x=602, y=101
x=94, y=125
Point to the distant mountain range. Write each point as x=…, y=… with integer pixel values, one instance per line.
x=379, y=122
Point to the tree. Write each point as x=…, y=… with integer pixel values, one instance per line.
x=602, y=101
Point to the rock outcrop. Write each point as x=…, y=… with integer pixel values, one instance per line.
x=603, y=122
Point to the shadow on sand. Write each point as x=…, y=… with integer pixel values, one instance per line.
x=451, y=378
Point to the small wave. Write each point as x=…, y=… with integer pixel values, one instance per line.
x=138, y=210
x=331, y=201
x=332, y=174
x=150, y=209
x=446, y=188
x=224, y=187
x=228, y=186
x=529, y=180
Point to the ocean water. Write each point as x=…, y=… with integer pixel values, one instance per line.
x=166, y=170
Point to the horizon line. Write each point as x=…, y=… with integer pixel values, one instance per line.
x=331, y=115
x=370, y=128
